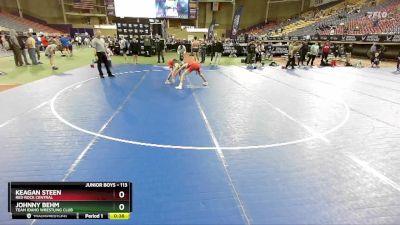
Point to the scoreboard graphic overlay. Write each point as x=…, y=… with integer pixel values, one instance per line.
x=70, y=200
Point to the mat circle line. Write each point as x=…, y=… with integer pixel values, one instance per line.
x=179, y=147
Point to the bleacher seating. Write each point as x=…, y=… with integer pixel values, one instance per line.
x=304, y=20
x=356, y=23
x=338, y=19
x=365, y=24
x=11, y=21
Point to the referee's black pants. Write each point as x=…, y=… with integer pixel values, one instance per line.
x=102, y=58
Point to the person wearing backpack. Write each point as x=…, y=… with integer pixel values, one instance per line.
x=22, y=43
x=16, y=48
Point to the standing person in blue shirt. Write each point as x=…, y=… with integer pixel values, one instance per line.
x=38, y=43
x=65, y=44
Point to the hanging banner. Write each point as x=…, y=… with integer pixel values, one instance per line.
x=110, y=7
x=211, y=30
x=236, y=22
x=389, y=38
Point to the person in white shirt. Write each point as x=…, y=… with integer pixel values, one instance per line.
x=78, y=40
x=124, y=47
x=109, y=53
x=181, y=51
x=100, y=54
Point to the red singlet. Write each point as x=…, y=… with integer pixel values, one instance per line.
x=171, y=63
x=193, y=66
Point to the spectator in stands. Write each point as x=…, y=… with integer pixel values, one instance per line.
x=160, y=47
x=195, y=48
x=100, y=53
x=314, y=50
x=16, y=48
x=219, y=48
x=181, y=51
x=50, y=52
x=31, y=45
x=303, y=52
x=134, y=48
x=326, y=49
x=376, y=23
